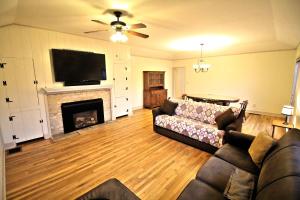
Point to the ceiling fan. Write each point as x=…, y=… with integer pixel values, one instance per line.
x=120, y=27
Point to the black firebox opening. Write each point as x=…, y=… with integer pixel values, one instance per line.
x=81, y=114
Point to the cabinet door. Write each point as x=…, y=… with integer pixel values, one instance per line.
x=21, y=90
x=18, y=127
x=121, y=88
x=121, y=81
x=121, y=106
x=23, y=102
x=32, y=123
x=162, y=97
x=5, y=124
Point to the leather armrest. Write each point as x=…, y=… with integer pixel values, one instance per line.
x=156, y=112
x=235, y=126
x=238, y=139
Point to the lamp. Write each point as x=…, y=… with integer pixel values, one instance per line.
x=201, y=66
x=119, y=36
x=287, y=111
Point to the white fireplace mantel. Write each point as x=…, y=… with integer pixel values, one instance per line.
x=68, y=89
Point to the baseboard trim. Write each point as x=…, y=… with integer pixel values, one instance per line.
x=137, y=108
x=264, y=113
x=9, y=145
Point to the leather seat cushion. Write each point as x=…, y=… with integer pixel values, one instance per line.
x=199, y=190
x=238, y=157
x=216, y=172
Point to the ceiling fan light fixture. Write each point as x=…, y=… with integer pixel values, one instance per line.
x=119, y=36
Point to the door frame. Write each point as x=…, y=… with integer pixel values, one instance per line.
x=173, y=82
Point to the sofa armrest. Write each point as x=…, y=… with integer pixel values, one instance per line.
x=235, y=126
x=155, y=112
x=238, y=139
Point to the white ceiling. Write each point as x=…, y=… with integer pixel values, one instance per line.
x=176, y=27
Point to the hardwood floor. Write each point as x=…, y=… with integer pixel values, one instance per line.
x=151, y=165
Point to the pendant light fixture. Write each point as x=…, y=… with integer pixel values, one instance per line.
x=201, y=66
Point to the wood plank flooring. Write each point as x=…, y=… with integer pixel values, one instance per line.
x=151, y=165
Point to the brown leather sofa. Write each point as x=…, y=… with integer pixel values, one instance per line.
x=278, y=178
x=235, y=126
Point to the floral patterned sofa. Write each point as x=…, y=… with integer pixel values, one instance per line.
x=194, y=123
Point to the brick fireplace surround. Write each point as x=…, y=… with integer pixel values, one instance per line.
x=54, y=97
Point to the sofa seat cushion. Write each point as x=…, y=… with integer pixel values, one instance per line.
x=199, y=190
x=216, y=172
x=238, y=157
x=204, y=112
x=192, y=128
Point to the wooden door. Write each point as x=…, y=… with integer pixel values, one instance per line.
x=22, y=98
x=178, y=82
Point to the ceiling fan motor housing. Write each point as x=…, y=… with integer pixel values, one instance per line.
x=117, y=23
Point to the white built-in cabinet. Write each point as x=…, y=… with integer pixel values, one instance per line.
x=121, y=88
x=20, y=116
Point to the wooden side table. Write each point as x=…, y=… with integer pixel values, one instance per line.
x=280, y=123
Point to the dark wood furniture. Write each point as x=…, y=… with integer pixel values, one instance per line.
x=154, y=88
x=212, y=98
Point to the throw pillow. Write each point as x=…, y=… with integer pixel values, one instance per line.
x=240, y=185
x=168, y=107
x=261, y=144
x=225, y=119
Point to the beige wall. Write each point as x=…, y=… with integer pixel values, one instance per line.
x=265, y=79
x=140, y=64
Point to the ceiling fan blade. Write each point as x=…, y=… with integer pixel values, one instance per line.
x=139, y=25
x=138, y=34
x=94, y=31
x=98, y=21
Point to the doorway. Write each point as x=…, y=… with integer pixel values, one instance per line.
x=178, y=82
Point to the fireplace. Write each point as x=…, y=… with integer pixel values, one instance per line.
x=81, y=114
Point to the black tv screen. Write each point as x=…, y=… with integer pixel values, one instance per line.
x=78, y=66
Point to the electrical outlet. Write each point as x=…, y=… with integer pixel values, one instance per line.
x=254, y=105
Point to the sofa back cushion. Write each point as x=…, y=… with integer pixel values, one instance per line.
x=168, y=107
x=260, y=146
x=281, y=169
x=201, y=111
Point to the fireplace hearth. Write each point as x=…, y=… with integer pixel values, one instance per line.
x=82, y=114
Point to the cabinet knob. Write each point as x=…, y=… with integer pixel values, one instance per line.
x=11, y=118
x=15, y=137
x=8, y=100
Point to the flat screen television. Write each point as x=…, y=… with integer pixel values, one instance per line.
x=77, y=67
